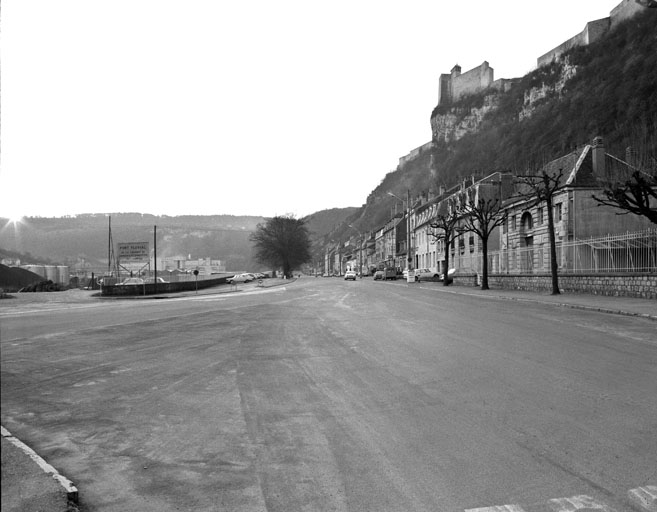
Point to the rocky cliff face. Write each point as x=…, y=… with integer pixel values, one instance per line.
x=534, y=95
x=449, y=124
x=458, y=121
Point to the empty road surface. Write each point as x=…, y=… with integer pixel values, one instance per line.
x=332, y=395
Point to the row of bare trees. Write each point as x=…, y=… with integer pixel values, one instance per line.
x=481, y=211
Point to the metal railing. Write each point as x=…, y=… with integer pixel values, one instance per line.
x=628, y=252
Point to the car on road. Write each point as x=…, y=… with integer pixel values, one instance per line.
x=350, y=274
x=390, y=273
x=426, y=274
x=378, y=275
x=131, y=280
x=152, y=280
x=241, y=278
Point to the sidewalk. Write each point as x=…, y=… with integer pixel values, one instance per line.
x=28, y=487
x=628, y=306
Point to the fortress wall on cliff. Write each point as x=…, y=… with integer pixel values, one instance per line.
x=593, y=31
x=472, y=81
x=415, y=153
x=626, y=9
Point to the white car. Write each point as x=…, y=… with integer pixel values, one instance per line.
x=131, y=280
x=350, y=274
x=426, y=274
x=159, y=280
x=241, y=278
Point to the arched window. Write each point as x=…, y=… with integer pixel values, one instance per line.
x=526, y=222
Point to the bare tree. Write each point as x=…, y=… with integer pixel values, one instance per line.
x=282, y=241
x=538, y=188
x=444, y=228
x=482, y=212
x=634, y=189
x=637, y=195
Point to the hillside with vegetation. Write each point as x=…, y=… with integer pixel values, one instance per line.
x=83, y=240
x=606, y=89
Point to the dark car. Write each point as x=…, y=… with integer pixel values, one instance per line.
x=390, y=273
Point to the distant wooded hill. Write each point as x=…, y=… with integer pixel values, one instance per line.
x=85, y=238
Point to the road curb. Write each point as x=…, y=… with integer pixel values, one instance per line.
x=71, y=490
x=558, y=304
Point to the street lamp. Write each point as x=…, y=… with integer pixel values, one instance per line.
x=360, y=250
x=408, y=232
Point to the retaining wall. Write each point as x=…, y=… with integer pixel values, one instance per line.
x=152, y=288
x=642, y=286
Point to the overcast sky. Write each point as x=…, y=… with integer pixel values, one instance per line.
x=261, y=107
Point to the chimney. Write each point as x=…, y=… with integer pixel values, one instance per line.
x=598, y=153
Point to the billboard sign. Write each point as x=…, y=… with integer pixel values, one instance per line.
x=133, y=251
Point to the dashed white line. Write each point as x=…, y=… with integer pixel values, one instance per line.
x=645, y=497
x=578, y=503
x=499, y=508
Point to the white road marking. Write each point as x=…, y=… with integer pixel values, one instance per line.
x=47, y=309
x=55, y=308
x=225, y=296
x=645, y=497
x=578, y=503
x=71, y=490
x=500, y=508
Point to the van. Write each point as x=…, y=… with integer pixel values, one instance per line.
x=390, y=273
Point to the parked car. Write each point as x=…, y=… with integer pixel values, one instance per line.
x=131, y=280
x=152, y=280
x=241, y=278
x=390, y=273
x=378, y=275
x=426, y=274
x=350, y=274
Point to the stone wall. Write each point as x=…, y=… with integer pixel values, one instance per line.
x=472, y=81
x=455, y=85
x=624, y=10
x=593, y=31
x=642, y=286
x=152, y=288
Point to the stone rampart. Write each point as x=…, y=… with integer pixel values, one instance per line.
x=454, y=86
x=593, y=31
x=625, y=9
x=415, y=153
x=472, y=81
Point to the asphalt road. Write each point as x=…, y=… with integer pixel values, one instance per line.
x=332, y=395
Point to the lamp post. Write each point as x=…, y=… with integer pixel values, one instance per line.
x=360, y=251
x=408, y=232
